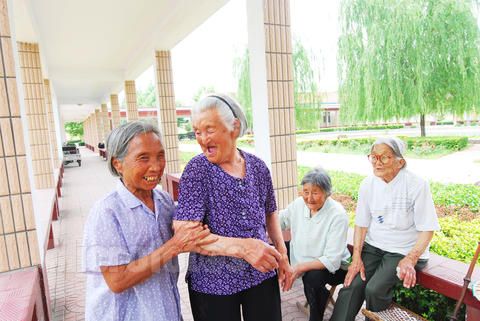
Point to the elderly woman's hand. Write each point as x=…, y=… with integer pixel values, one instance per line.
x=260, y=255
x=285, y=272
x=406, y=272
x=294, y=274
x=190, y=237
x=355, y=267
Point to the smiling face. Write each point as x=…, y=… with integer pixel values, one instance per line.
x=313, y=196
x=388, y=170
x=142, y=167
x=217, y=142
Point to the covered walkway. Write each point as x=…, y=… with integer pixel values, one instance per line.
x=82, y=186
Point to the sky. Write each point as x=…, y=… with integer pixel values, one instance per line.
x=205, y=57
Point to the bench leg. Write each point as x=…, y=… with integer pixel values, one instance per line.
x=51, y=243
x=55, y=210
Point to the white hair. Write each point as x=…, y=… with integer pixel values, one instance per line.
x=227, y=108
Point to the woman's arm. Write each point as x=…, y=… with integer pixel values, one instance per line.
x=406, y=265
x=275, y=234
x=356, y=266
x=259, y=254
x=122, y=277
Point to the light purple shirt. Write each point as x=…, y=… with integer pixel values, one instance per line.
x=121, y=229
x=232, y=207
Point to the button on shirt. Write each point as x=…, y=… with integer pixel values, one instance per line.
x=121, y=229
x=396, y=212
x=322, y=236
x=232, y=207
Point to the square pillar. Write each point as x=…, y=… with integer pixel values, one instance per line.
x=105, y=121
x=18, y=236
x=271, y=75
x=167, y=113
x=51, y=124
x=37, y=115
x=131, y=98
x=115, y=111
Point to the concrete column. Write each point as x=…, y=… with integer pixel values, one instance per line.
x=37, y=115
x=131, y=98
x=115, y=111
x=51, y=124
x=166, y=113
x=98, y=128
x=272, y=85
x=105, y=121
x=18, y=236
x=86, y=131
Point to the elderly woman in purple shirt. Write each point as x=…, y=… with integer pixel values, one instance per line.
x=129, y=252
x=231, y=191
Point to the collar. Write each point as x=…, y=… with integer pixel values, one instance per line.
x=129, y=199
x=394, y=181
x=320, y=212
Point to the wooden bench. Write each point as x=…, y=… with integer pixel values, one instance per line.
x=21, y=297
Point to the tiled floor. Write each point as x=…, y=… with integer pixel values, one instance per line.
x=82, y=186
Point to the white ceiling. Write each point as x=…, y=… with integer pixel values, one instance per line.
x=89, y=47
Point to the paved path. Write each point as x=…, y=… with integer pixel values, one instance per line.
x=82, y=186
x=461, y=167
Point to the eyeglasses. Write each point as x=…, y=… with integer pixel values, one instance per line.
x=382, y=158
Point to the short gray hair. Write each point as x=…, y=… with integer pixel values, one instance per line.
x=120, y=137
x=397, y=145
x=318, y=177
x=227, y=107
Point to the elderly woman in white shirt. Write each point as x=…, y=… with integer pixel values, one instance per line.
x=318, y=249
x=394, y=224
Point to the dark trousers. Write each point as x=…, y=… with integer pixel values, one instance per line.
x=377, y=290
x=314, y=282
x=259, y=303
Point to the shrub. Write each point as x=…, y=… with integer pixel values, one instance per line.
x=416, y=146
x=349, y=128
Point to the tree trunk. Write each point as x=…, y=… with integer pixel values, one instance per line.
x=422, y=125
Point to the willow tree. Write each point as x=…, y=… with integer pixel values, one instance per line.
x=305, y=80
x=241, y=70
x=406, y=58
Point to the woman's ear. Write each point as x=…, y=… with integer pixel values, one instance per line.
x=236, y=127
x=402, y=162
x=117, y=165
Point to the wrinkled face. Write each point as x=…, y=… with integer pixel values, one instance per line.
x=142, y=167
x=313, y=196
x=217, y=142
x=391, y=165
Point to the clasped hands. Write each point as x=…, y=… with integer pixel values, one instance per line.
x=265, y=257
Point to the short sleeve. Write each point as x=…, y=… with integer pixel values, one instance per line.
x=103, y=243
x=425, y=216
x=362, y=213
x=336, y=243
x=192, y=197
x=285, y=217
x=270, y=201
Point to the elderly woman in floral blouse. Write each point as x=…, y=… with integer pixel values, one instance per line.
x=231, y=191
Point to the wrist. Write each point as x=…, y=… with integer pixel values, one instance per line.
x=413, y=258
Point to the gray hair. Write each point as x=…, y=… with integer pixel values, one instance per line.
x=120, y=137
x=397, y=145
x=318, y=177
x=227, y=107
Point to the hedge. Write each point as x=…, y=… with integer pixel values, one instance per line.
x=413, y=143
